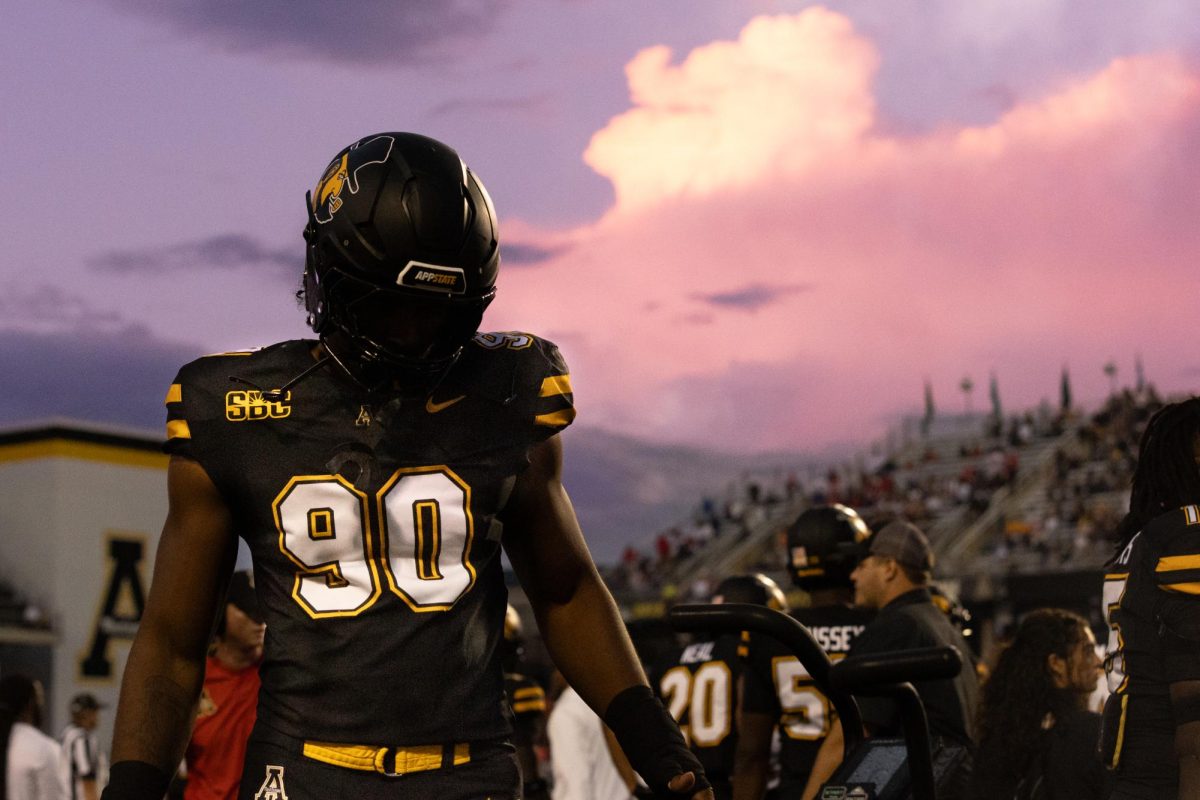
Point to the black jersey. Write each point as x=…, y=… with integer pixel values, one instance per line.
x=527, y=700
x=698, y=686
x=373, y=524
x=777, y=684
x=1152, y=600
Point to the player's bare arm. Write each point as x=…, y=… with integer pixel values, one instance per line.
x=829, y=758
x=575, y=612
x=166, y=663
x=752, y=758
x=576, y=615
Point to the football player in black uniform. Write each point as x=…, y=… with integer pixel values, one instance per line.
x=1151, y=727
x=527, y=702
x=823, y=547
x=699, y=683
x=375, y=473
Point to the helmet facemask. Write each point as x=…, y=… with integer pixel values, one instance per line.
x=382, y=333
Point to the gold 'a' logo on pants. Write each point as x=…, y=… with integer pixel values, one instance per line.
x=272, y=785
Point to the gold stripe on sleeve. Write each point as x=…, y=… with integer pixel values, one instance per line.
x=556, y=419
x=556, y=385
x=178, y=429
x=1173, y=563
x=529, y=705
x=174, y=394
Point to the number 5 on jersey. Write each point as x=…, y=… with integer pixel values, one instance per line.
x=325, y=526
x=805, y=708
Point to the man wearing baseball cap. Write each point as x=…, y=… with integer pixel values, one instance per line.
x=85, y=765
x=893, y=578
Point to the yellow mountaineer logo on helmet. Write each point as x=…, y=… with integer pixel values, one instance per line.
x=342, y=173
x=329, y=188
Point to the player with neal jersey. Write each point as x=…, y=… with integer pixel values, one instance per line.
x=823, y=547
x=375, y=474
x=1151, y=725
x=699, y=683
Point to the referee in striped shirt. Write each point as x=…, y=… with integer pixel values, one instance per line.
x=85, y=766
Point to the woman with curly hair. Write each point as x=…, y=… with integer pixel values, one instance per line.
x=1034, y=725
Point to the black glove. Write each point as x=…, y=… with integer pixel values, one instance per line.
x=652, y=741
x=135, y=780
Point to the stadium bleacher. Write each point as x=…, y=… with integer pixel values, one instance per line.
x=1037, y=494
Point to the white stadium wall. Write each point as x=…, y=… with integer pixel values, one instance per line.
x=80, y=513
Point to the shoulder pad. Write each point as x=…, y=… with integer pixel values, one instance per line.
x=523, y=372
x=1175, y=537
x=200, y=385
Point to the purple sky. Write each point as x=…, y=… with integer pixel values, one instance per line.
x=749, y=225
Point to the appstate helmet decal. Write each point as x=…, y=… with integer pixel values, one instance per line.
x=433, y=277
x=343, y=173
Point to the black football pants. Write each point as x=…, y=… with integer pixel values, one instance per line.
x=276, y=769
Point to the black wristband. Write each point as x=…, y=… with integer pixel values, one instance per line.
x=135, y=780
x=652, y=741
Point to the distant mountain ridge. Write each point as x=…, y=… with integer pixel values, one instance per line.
x=625, y=490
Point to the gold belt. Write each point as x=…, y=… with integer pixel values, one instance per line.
x=388, y=760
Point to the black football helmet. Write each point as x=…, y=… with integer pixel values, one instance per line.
x=824, y=545
x=402, y=256
x=512, y=647
x=753, y=588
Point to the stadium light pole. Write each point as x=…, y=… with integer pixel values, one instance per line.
x=967, y=385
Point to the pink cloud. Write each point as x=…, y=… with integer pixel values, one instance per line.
x=778, y=272
x=734, y=112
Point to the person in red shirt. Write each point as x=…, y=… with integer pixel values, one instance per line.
x=228, y=702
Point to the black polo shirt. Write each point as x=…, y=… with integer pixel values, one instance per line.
x=910, y=621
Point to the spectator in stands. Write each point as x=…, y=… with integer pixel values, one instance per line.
x=85, y=764
x=229, y=699
x=30, y=761
x=894, y=578
x=1034, y=723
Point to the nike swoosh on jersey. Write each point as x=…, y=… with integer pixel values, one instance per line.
x=434, y=408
